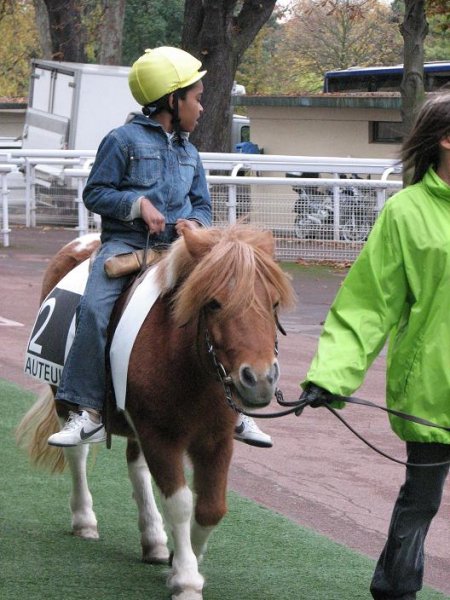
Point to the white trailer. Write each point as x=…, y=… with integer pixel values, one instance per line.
x=73, y=106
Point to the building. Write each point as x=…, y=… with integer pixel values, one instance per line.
x=365, y=125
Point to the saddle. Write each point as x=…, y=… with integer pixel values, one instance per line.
x=54, y=329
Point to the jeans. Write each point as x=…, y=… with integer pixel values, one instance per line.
x=399, y=571
x=83, y=380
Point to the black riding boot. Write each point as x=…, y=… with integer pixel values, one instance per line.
x=399, y=571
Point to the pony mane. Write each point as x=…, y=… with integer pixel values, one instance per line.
x=234, y=259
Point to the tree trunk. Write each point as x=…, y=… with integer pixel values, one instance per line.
x=414, y=30
x=66, y=30
x=43, y=27
x=111, y=30
x=218, y=35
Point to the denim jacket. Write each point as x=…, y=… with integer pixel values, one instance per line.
x=139, y=159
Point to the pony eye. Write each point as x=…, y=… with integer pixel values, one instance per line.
x=276, y=305
x=213, y=305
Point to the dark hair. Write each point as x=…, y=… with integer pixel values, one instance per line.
x=420, y=150
x=152, y=109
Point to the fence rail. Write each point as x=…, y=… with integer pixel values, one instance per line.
x=319, y=208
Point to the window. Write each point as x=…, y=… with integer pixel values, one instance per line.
x=245, y=133
x=385, y=132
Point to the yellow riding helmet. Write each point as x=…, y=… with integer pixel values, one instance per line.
x=161, y=71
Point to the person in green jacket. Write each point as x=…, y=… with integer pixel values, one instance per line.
x=400, y=287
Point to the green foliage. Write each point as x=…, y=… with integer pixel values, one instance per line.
x=291, y=55
x=19, y=45
x=269, y=67
x=151, y=23
x=92, y=16
x=253, y=72
x=288, y=56
x=437, y=42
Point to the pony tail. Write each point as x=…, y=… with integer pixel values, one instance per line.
x=176, y=120
x=35, y=428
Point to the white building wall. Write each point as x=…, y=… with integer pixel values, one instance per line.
x=311, y=131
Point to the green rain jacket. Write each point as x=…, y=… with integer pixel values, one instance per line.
x=398, y=286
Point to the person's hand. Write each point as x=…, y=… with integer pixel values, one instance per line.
x=154, y=220
x=315, y=396
x=186, y=224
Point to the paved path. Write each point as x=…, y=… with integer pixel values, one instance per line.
x=318, y=473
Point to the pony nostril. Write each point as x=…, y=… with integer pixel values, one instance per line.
x=247, y=377
x=274, y=373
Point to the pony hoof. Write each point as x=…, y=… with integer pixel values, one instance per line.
x=156, y=555
x=86, y=533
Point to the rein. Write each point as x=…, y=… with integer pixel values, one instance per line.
x=296, y=407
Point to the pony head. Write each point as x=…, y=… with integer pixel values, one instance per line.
x=228, y=280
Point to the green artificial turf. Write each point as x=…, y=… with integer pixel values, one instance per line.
x=253, y=554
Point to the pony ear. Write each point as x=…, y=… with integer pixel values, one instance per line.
x=267, y=243
x=198, y=242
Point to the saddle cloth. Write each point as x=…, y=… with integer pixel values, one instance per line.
x=54, y=329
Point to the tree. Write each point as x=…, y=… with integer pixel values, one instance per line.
x=314, y=37
x=43, y=28
x=272, y=65
x=338, y=34
x=19, y=44
x=110, y=52
x=218, y=32
x=151, y=23
x=437, y=42
x=67, y=31
x=111, y=31
x=413, y=29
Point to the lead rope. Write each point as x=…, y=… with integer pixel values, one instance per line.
x=296, y=407
x=144, y=259
x=377, y=450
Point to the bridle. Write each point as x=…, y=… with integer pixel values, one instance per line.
x=227, y=381
x=297, y=406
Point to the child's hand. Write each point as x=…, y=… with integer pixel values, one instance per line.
x=186, y=224
x=154, y=220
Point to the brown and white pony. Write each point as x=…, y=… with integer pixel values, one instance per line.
x=221, y=288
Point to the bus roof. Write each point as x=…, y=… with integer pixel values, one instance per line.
x=428, y=67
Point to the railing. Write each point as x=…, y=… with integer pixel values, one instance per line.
x=5, y=170
x=326, y=217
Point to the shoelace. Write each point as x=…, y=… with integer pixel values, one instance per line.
x=73, y=420
x=250, y=424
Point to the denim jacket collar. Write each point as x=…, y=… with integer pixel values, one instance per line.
x=137, y=117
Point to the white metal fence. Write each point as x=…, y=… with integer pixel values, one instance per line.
x=317, y=207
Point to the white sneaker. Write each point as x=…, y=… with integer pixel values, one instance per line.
x=78, y=429
x=247, y=431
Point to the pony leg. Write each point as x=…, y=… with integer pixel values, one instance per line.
x=185, y=580
x=84, y=521
x=153, y=536
x=210, y=481
x=199, y=539
x=32, y=434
